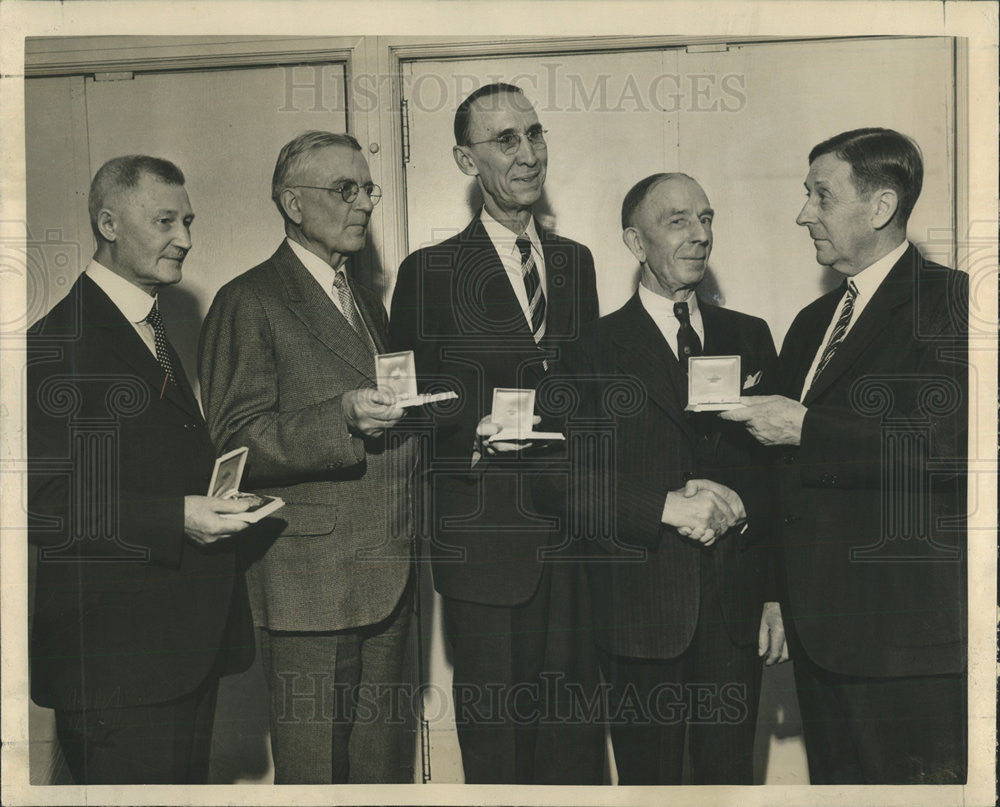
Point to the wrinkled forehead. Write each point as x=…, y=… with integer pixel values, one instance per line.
x=829, y=168
x=492, y=114
x=330, y=164
x=151, y=193
x=675, y=195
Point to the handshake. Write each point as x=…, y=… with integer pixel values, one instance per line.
x=703, y=510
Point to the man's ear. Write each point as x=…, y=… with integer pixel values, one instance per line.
x=290, y=204
x=107, y=224
x=633, y=240
x=885, y=202
x=464, y=161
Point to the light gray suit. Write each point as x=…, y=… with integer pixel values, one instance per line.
x=276, y=356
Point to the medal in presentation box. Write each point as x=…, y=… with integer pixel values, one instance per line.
x=713, y=383
x=513, y=410
x=226, y=478
x=398, y=372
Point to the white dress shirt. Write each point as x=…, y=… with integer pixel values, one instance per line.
x=323, y=272
x=867, y=282
x=505, y=243
x=134, y=303
x=661, y=309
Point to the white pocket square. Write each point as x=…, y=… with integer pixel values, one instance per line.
x=752, y=380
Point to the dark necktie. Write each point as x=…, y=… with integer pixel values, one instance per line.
x=688, y=343
x=533, y=287
x=160, y=336
x=349, y=309
x=839, y=330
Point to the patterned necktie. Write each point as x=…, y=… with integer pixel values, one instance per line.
x=846, y=312
x=533, y=287
x=349, y=309
x=688, y=343
x=160, y=335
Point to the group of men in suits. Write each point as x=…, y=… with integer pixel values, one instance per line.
x=655, y=555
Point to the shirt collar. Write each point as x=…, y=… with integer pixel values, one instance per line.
x=134, y=303
x=658, y=305
x=317, y=267
x=503, y=239
x=870, y=278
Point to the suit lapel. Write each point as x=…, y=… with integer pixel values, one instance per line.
x=720, y=338
x=559, y=284
x=367, y=303
x=126, y=344
x=798, y=352
x=483, y=287
x=896, y=289
x=318, y=313
x=647, y=356
x=183, y=388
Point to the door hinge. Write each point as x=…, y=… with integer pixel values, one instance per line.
x=404, y=122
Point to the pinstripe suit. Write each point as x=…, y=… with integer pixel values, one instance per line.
x=276, y=356
x=666, y=609
x=509, y=615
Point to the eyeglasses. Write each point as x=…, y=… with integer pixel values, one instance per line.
x=510, y=142
x=349, y=190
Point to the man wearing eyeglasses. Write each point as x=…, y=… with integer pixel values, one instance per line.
x=491, y=308
x=287, y=369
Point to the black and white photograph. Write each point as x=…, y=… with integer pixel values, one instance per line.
x=596, y=402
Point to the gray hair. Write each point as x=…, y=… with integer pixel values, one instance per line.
x=295, y=151
x=123, y=173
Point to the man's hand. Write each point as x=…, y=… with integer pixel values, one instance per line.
x=487, y=428
x=771, y=643
x=731, y=497
x=703, y=516
x=203, y=521
x=772, y=419
x=369, y=412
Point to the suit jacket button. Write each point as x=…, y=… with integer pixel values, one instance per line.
x=790, y=519
x=789, y=459
x=689, y=474
x=190, y=426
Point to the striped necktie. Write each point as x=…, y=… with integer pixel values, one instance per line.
x=533, y=287
x=843, y=321
x=349, y=309
x=160, y=336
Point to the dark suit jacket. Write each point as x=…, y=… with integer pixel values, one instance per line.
x=128, y=611
x=873, y=500
x=276, y=356
x=645, y=575
x=454, y=307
